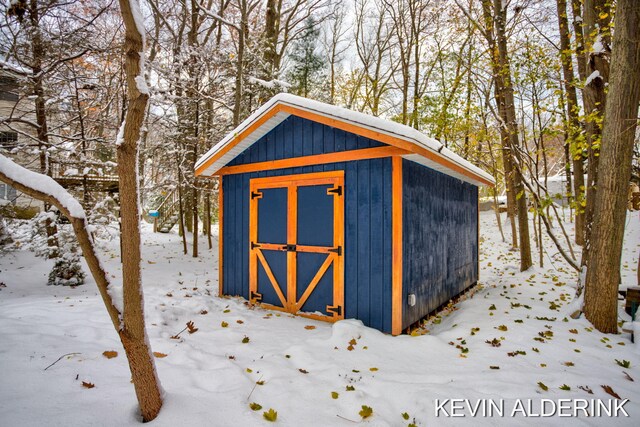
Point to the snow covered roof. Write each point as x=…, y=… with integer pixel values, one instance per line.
x=419, y=147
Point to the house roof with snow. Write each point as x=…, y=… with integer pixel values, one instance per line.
x=416, y=146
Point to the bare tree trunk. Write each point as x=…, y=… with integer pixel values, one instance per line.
x=134, y=337
x=237, y=107
x=208, y=229
x=272, y=19
x=616, y=152
x=596, y=29
x=512, y=128
x=510, y=172
x=181, y=215
x=574, y=125
x=38, y=52
x=195, y=221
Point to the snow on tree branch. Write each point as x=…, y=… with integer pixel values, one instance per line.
x=271, y=84
x=217, y=17
x=42, y=184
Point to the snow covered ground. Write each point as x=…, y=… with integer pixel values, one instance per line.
x=512, y=338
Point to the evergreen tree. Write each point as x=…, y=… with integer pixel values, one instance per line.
x=307, y=71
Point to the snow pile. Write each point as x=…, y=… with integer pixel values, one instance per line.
x=592, y=77
x=598, y=46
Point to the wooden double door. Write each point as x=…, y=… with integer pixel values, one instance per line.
x=296, y=232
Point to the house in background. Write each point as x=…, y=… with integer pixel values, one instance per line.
x=332, y=214
x=14, y=144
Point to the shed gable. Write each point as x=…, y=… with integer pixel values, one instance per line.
x=299, y=137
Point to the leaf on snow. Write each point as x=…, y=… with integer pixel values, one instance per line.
x=88, y=385
x=191, y=327
x=255, y=406
x=543, y=386
x=334, y=394
x=110, y=354
x=304, y=371
x=270, y=415
x=610, y=391
x=159, y=355
x=627, y=376
x=366, y=412
x=494, y=342
x=585, y=388
x=309, y=327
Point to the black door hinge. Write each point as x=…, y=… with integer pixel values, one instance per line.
x=254, y=245
x=335, y=309
x=255, y=296
x=337, y=190
x=290, y=248
x=337, y=250
x=255, y=194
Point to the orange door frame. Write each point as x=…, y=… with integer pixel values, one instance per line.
x=290, y=303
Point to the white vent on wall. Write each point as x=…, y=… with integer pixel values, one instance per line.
x=411, y=300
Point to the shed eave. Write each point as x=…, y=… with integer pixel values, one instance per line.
x=281, y=106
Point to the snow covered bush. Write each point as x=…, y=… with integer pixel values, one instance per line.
x=5, y=237
x=103, y=219
x=67, y=271
x=63, y=247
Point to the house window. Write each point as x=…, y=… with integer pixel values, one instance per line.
x=8, y=139
x=7, y=192
x=8, y=89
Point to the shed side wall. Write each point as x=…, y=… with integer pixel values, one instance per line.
x=440, y=239
x=367, y=251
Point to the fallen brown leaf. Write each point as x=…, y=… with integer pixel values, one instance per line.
x=610, y=391
x=159, y=355
x=87, y=385
x=191, y=327
x=110, y=354
x=585, y=388
x=309, y=327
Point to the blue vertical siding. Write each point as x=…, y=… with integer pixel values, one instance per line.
x=367, y=251
x=296, y=137
x=440, y=238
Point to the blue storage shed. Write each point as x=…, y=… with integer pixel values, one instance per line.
x=330, y=214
